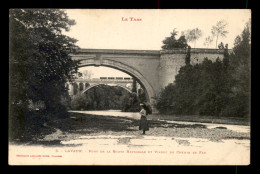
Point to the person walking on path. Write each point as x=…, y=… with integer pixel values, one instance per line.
x=143, y=122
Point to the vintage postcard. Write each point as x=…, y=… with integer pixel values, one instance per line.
x=129, y=87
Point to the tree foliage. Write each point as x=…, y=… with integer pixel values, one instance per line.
x=221, y=46
x=208, y=41
x=39, y=59
x=134, y=86
x=240, y=61
x=219, y=30
x=39, y=55
x=192, y=35
x=199, y=89
x=172, y=43
x=101, y=97
x=187, y=58
x=219, y=88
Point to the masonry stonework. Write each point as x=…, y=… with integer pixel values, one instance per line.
x=169, y=68
x=172, y=60
x=153, y=69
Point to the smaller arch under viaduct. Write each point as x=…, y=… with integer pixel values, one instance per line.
x=84, y=85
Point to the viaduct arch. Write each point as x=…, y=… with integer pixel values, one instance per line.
x=92, y=86
x=125, y=68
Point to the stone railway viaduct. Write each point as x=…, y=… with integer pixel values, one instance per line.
x=84, y=85
x=153, y=69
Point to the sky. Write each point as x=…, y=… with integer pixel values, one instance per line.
x=103, y=72
x=114, y=29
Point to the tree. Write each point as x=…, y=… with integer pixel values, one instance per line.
x=198, y=89
x=208, y=41
x=40, y=63
x=79, y=74
x=226, y=60
x=219, y=88
x=134, y=88
x=192, y=35
x=187, y=58
x=172, y=43
x=101, y=97
x=221, y=46
x=87, y=74
x=240, y=69
x=80, y=102
x=219, y=30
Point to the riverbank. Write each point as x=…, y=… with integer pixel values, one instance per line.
x=56, y=131
x=183, y=118
x=203, y=119
x=91, y=137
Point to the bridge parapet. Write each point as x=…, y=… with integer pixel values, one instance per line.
x=104, y=80
x=117, y=51
x=193, y=50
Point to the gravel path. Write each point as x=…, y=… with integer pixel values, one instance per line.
x=159, y=128
x=171, y=142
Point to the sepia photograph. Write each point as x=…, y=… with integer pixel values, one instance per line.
x=129, y=87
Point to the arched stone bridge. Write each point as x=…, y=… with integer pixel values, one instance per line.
x=153, y=69
x=84, y=85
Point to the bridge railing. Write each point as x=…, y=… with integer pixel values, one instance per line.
x=98, y=80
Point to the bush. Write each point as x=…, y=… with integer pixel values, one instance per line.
x=16, y=121
x=237, y=107
x=101, y=97
x=131, y=104
x=79, y=102
x=204, y=89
